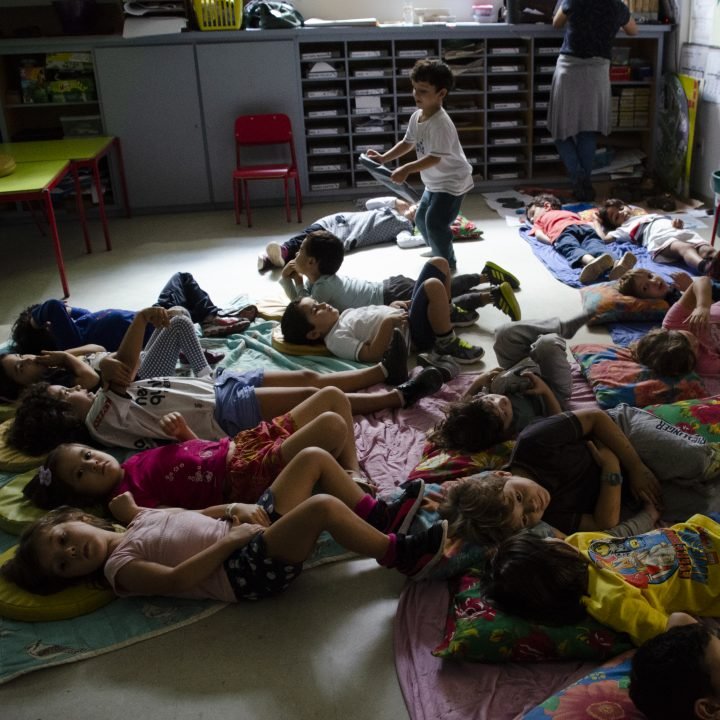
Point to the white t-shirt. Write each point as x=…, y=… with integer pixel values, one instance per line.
x=355, y=327
x=133, y=421
x=438, y=136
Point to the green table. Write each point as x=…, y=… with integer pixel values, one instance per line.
x=34, y=181
x=80, y=152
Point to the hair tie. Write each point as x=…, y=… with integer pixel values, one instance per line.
x=44, y=476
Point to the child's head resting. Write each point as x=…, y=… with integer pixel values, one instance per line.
x=677, y=674
x=644, y=284
x=27, y=337
x=19, y=371
x=322, y=247
x=306, y=321
x=58, y=550
x=540, y=204
x=540, y=579
x=613, y=213
x=73, y=474
x=475, y=424
x=433, y=72
x=667, y=352
x=487, y=507
x=48, y=415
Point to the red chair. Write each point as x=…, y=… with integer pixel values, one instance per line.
x=256, y=130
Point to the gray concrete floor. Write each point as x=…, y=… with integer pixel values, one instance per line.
x=324, y=649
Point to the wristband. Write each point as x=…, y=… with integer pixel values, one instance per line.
x=229, y=511
x=612, y=478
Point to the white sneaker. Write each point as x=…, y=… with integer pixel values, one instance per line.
x=427, y=253
x=405, y=239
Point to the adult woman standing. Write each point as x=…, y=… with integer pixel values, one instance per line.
x=579, y=105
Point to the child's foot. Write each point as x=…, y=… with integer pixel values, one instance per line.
x=460, y=350
x=394, y=360
x=444, y=363
x=595, y=268
x=276, y=254
x=504, y=300
x=417, y=554
x=713, y=267
x=497, y=275
x=264, y=263
x=568, y=328
x=396, y=516
x=625, y=263
x=459, y=317
x=426, y=382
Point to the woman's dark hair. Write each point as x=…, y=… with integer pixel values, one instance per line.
x=29, y=339
x=25, y=570
x=43, y=422
x=470, y=426
x=48, y=490
x=295, y=326
x=603, y=212
x=537, y=579
x=327, y=249
x=666, y=352
x=669, y=673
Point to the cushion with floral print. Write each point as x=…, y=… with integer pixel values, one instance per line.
x=475, y=630
x=603, y=693
x=695, y=417
x=616, y=378
x=606, y=304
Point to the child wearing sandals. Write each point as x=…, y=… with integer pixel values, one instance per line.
x=127, y=415
x=217, y=553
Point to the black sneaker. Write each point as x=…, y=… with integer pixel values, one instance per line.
x=459, y=317
x=394, y=360
x=417, y=554
x=444, y=363
x=396, y=516
x=427, y=382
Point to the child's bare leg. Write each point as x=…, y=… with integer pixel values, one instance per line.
x=346, y=380
x=328, y=410
x=292, y=537
x=685, y=251
x=442, y=265
x=438, y=308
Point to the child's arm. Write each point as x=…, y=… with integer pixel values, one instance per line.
x=84, y=375
x=399, y=175
x=698, y=298
x=372, y=350
x=481, y=381
x=132, y=343
x=606, y=513
x=541, y=389
x=175, y=424
x=239, y=513
x=149, y=578
x=86, y=349
x=540, y=235
x=114, y=373
x=292, y=282
x=124, y=508
x=398, y=150
x=682, y=280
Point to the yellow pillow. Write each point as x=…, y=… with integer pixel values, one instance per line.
x=17, y=604
x=12, y=460
x=279, y=343
x=271, y=309
x=7, y=164
x=16, y=511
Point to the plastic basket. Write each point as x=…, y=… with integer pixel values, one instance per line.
x=218, y=14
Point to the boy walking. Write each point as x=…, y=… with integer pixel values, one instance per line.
x=441, y=162
x=364, y=333
x=313, y=273
x=577, y=240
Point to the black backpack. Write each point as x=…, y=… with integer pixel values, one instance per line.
x=271, y=15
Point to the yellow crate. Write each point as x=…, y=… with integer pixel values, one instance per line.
x=218, y=14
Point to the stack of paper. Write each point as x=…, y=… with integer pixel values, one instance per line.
x=153, y=17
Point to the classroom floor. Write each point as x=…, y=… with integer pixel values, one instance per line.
x=324, y=649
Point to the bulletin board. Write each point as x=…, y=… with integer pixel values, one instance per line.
x=703, y=63
x=705, y=22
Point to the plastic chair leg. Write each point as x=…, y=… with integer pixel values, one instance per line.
x=715, y=224
x=237, y=199
x=287, y=200
x=246, y=193
x=298, y=200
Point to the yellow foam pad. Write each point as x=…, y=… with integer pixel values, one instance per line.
x=271, y=309
x=279, y=343
x=12, y=460
x=16, y=511
x=7, y=164
x=18, y=604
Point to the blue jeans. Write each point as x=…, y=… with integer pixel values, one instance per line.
x=578, y=154
x=435, y=213
x=578, y=240
x=182, y=289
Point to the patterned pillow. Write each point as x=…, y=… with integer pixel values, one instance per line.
x=438, y=464
x=616, y=378
x=603, y=693
x=606, y=305
x=464, y=229
x=695, y=417
x=476, y=631
x=12, y=460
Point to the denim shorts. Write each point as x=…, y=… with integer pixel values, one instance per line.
x=421, y=332
x=252, y=574
x=236, y=407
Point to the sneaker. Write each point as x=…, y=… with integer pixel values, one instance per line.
x=594, y=269
x=459, y=317
x=224, y=326
x=264, y=263
x=444, y=363
x=406, y=239
x=426, y=382
x=461, y=350
x=394, y=360
x=275, y=254
x=504, y=300
x=625, y=263
x=497, y=275
x=417, y=554
x=396, y=516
